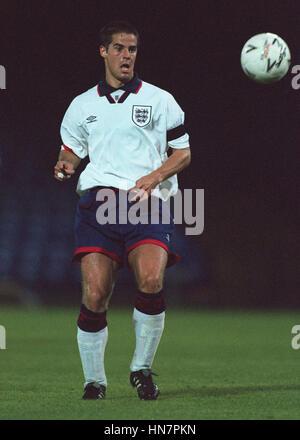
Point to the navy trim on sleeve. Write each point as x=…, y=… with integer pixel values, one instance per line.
x=175, y=133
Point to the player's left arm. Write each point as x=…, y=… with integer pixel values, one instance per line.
x=176, y=162
x=178, y=141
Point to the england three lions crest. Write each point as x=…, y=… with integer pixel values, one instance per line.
x=141, y=115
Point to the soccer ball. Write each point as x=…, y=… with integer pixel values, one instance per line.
x=265, y=58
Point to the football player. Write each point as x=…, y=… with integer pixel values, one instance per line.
x=125, y=126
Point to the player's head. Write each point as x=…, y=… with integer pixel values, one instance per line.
x=119, y=41
x=116, y=27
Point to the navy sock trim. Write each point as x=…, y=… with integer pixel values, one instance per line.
x=150, y=303
x=89, y=321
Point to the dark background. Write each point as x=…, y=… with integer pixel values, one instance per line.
x=244, y=139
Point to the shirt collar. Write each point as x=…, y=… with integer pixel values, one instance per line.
x=132, y=86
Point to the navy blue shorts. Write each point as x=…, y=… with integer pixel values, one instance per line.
x=118, y=236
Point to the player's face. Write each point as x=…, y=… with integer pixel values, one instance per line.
x=120, y=59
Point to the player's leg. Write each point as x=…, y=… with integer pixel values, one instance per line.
x=148, y=263
x=98, y=275
x=98, y=278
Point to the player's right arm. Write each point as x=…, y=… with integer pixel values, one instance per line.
x=66, y=165
x=74, y=142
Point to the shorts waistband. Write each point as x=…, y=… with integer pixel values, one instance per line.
x=97, y=188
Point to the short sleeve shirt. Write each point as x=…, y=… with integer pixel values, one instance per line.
x=125, y=133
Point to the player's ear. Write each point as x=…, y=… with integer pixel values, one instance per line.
x=102, y=51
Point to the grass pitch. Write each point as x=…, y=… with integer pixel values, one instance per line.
x=212, y=365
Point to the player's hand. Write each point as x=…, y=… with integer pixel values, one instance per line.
x=144, y=186
x=63, y=170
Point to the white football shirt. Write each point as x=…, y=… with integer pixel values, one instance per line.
x=125, y=133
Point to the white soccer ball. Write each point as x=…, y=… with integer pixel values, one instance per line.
x=265, y=58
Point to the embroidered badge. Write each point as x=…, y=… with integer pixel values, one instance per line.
x=141, y=115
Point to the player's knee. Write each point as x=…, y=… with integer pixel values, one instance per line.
x=150, y=283
x=96, y=300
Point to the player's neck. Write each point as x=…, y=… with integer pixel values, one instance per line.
x=114, y=82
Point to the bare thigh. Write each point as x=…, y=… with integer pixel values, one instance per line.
x=98, y=279
x=148, y=262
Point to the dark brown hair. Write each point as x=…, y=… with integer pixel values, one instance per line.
x=116, y=27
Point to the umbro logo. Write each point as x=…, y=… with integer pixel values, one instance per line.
x=91, y=119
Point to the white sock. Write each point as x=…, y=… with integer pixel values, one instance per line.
x=148, y=331
x=91, y=348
